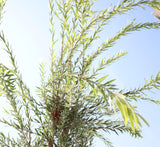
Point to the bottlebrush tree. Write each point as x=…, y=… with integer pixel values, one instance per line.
x=75, y=102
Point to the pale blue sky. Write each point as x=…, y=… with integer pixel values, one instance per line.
x=26, y=25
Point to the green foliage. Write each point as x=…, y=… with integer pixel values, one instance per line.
x=2, y=4
x=75, y=103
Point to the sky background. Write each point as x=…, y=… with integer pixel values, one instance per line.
x=26, y=26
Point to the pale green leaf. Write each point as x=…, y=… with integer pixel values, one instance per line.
x=143, y=119
x=102, y=78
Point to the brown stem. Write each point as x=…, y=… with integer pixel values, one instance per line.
x=50, y=143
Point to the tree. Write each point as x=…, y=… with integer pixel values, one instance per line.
x=75, y=102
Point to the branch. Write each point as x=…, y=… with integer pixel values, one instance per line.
x=154, y=83
x=124, y=31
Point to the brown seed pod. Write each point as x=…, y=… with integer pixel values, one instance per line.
x=157, y=13
x=56, y=115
